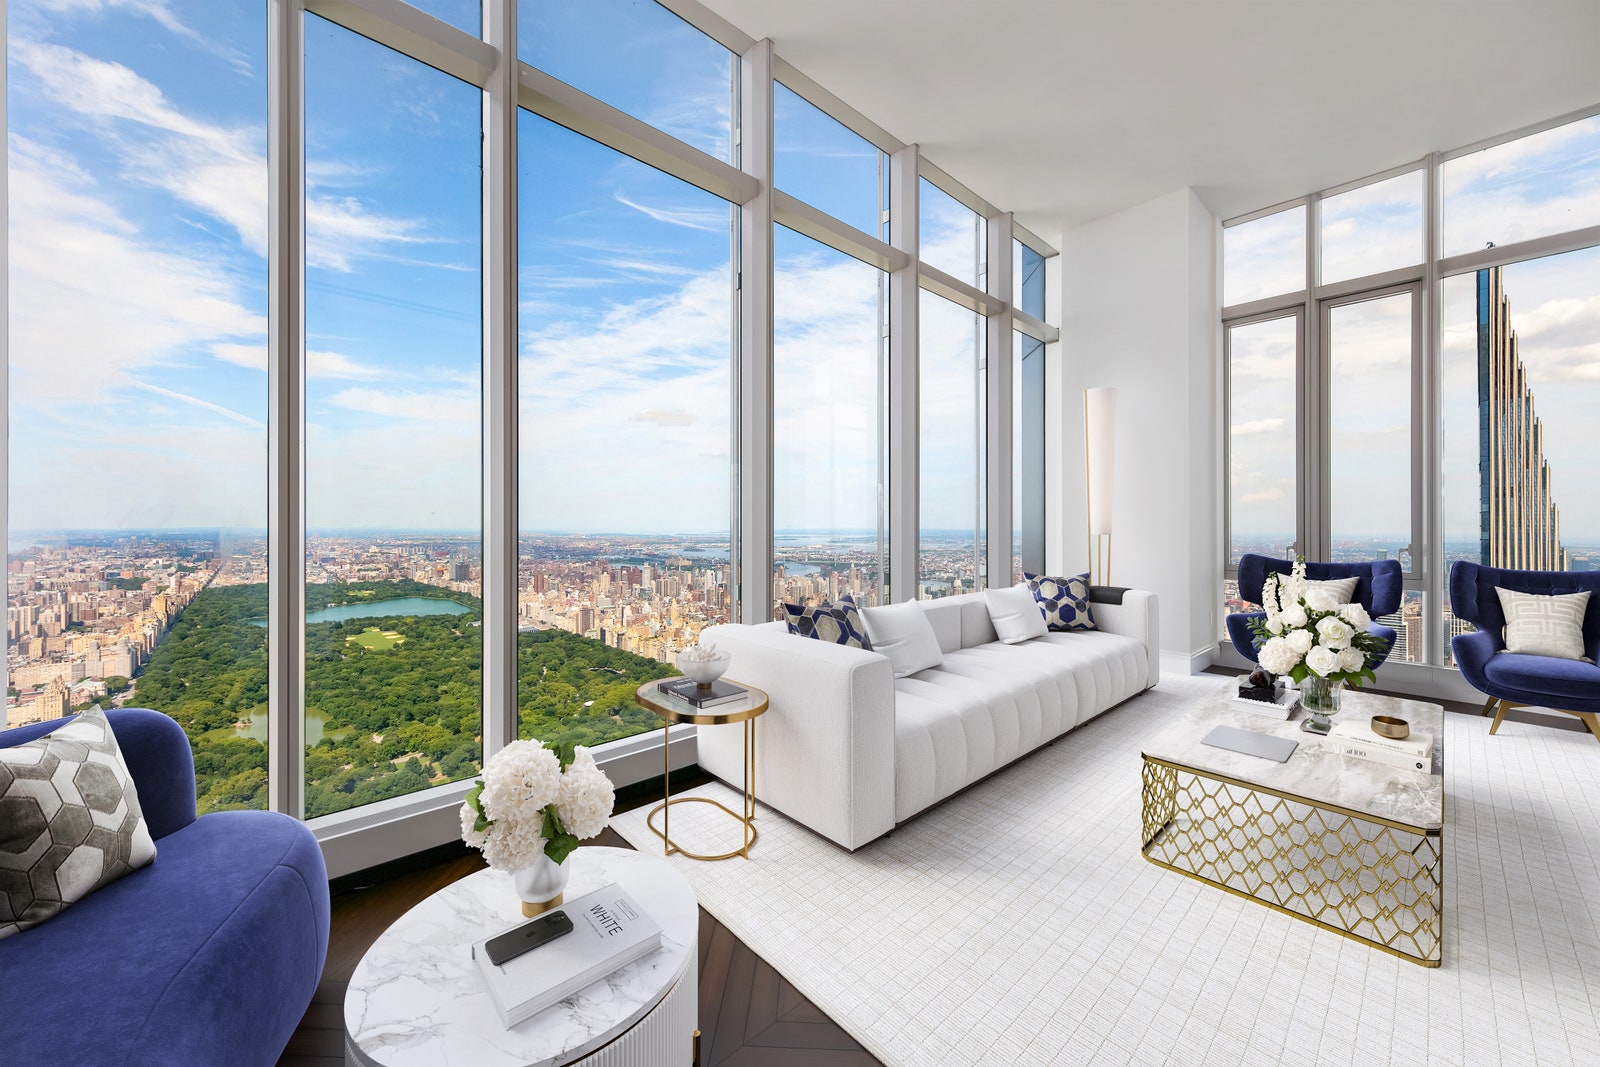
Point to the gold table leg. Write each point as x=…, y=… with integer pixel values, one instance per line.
x=746, y=819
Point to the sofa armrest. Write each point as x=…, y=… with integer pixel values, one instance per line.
x=1131, y=613
x=825, y=746
x=1472, y=652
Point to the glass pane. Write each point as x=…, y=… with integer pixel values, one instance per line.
x=625, y=379
x=828, y=462
x=950, y=235
x=639, y=57
x=1262, y=357
x=1028, y=280
x=1521, y=448
x=1027, y=456
x=950, y=384
x=137, y=475
x=1266, y=257
x=462, y=14
x=1375, y=228
x=1410, y=644
x=819, y=160
x=1369, y=428
x=1534, y=186
x=393, y=443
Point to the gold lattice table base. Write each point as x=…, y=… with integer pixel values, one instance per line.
x=1372, y=880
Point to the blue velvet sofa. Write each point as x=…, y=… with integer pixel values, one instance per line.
x=1379, y=585
x=208, y=955
x=1511, y=679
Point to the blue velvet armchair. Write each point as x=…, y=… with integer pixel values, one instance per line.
x=207, y=955
x=1511, y=679
x=1378, y=588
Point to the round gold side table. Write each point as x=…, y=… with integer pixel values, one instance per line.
x=673, y=710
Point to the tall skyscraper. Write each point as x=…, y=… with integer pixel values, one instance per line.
x=1520, y=525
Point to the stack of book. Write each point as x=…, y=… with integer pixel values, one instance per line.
x=1280, y=707
x=687, y=691
x=609, y=931
x=1414, y=753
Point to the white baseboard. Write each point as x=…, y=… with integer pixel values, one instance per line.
x=1187, y=663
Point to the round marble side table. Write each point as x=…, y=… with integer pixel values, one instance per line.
x=416, y=996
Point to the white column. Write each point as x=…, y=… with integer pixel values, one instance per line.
x=286, y=556
x=903, y=424
x=500, y=396
x=752, y=543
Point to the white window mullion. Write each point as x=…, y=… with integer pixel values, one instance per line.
x=904, y=293
x=998, y=425
x=752, y=548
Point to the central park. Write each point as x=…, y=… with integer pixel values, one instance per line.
x=393, y=701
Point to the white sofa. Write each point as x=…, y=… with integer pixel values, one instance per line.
x=850, y=751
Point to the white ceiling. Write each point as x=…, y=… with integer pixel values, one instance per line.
x=1065, y=111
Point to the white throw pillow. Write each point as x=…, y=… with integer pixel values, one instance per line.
x=1539, y=625
x=1342, y=589
x=903, y=633
x=1015, y=614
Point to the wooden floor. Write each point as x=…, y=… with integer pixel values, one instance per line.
x=748, y=1014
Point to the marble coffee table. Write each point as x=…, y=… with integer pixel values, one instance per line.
x=416, y=997
x=1349, y=845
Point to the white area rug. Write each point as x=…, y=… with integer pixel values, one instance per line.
x=1018, y=923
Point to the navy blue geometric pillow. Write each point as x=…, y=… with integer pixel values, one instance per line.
x=1065, y=601
x=839, y=623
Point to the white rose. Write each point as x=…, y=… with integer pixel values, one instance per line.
x=1356, y=616
x=1321, y=600
x=1352, y=660
x=1294, y=615
x=1301, y=641
x=1335, y=634
x=1278, y=656
x=1322, y=661
x=1274, y=626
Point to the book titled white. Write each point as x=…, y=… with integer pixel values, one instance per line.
x=1356, y=739
x=609, y=931
x=1278, y=709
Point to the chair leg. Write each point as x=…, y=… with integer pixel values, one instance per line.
x=1590, y=721
x=1488, y=706
x=1499, y=716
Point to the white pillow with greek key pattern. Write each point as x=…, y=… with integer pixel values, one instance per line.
x=1538, y=625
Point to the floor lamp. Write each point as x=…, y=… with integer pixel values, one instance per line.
x=1099, y=454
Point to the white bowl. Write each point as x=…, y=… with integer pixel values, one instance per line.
x=704, y=671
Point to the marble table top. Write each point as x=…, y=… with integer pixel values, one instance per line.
x=416, y=997
x=1315, y=771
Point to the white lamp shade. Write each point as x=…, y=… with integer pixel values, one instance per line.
x=1099, y=443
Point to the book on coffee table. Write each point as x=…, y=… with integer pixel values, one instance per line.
x=1281, y=708
x=609, y=931
x=689, y=691
x=1355, y=738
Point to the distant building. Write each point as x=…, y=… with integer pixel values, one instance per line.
x=1520, y=525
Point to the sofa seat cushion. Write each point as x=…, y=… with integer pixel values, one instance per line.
x=985, y=706
x=208, y=955
x=1546, y=675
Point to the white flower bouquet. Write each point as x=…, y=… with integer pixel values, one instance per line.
x=535, y=798
x=1306, y=632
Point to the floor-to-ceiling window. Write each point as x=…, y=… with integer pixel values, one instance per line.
x=173, y=400
x=1443, y=402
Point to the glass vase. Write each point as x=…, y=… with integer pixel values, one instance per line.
x=541, y=886
x=1320, y=697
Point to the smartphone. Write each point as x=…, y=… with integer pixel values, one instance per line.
x=541, y=931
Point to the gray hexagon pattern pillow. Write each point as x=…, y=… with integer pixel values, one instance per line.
x=69, y=821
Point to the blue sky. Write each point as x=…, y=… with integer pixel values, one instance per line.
x=138, y=259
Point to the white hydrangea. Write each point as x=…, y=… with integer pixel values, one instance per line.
x=1352, y=660
x=1300, y=640
x=1322, y=661
x=1355, y=615
x=469, y=819
x=515, y=843
x=1295, y=615
x=1334, y=633
x=522, y=777
x=586, y=796
x=1321, y=600
x=1278, y=656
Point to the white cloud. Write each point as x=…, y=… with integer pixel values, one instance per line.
x=1264, y=496
x=457, y=406
x=710, y=220
x=669, y=417
x=318, y=364
x=172, y=394
x=1258, y=426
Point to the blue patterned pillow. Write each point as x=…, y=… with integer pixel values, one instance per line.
x=839, y=623
x=1065, y=601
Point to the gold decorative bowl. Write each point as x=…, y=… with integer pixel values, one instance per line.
x=1389, y=726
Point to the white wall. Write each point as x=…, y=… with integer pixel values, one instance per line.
x=1139, y=312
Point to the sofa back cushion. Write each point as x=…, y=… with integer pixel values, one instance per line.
x=976, y=629
x=945, y=617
